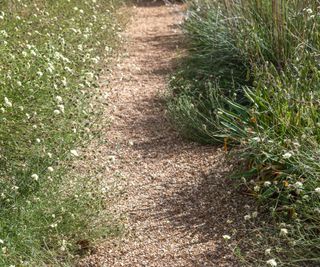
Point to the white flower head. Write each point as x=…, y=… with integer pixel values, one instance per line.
x=287, y=155
x=283, y=232
x=50, y=169
x=317, y=190
x=58, y=99
x=226, y=237
x=267, y=184
x=256, y=188
x=247, y=217
x=272, y=263
x=61, y=107
x=74, y=153
x=267, y=251
x=298, y=185
x=53, y=225
x=309, y=11
x=35, y=177
x=257, y=139
x=7, y=102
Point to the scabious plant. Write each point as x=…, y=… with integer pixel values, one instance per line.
x=50, y=55
x=266, y=103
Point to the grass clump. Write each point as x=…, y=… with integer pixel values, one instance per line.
x=50, y=55
x=266, y=103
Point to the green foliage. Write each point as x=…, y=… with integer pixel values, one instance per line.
x=50, y=53
x=268, y=105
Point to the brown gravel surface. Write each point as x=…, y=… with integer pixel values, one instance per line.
x=176, y=199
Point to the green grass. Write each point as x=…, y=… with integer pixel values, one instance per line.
x=251, y=80
x=50, y=55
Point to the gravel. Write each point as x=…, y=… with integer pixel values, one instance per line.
x=176, y=197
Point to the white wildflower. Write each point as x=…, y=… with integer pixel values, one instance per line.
x=56, y=112
x=296, y=144
x=247, y=217
x=283, y=232
x=309, y=11
x=1, y=241
x=95, y=60
x=267, y=251
x=63, y=245
x=272, y=263
x=298, y=185
x=64, y=81
x=317, y=190
x=267, y=184
x=50, y=169
x=7, y=102
x=287, y=155
x=256, y=188
x=74, y=152
x=35, y=177
x=256, y=139
x=50, y=68
x=59, y=99
x=4, y=33
x=226, y=237
x=61, y=107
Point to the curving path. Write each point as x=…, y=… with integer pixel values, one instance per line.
x=176, y=201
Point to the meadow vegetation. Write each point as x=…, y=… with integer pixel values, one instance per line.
x=250, y=80
x=50, y=55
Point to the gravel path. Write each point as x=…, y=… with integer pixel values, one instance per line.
x=178, y=202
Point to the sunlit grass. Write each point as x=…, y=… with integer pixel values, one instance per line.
x=50, y=55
